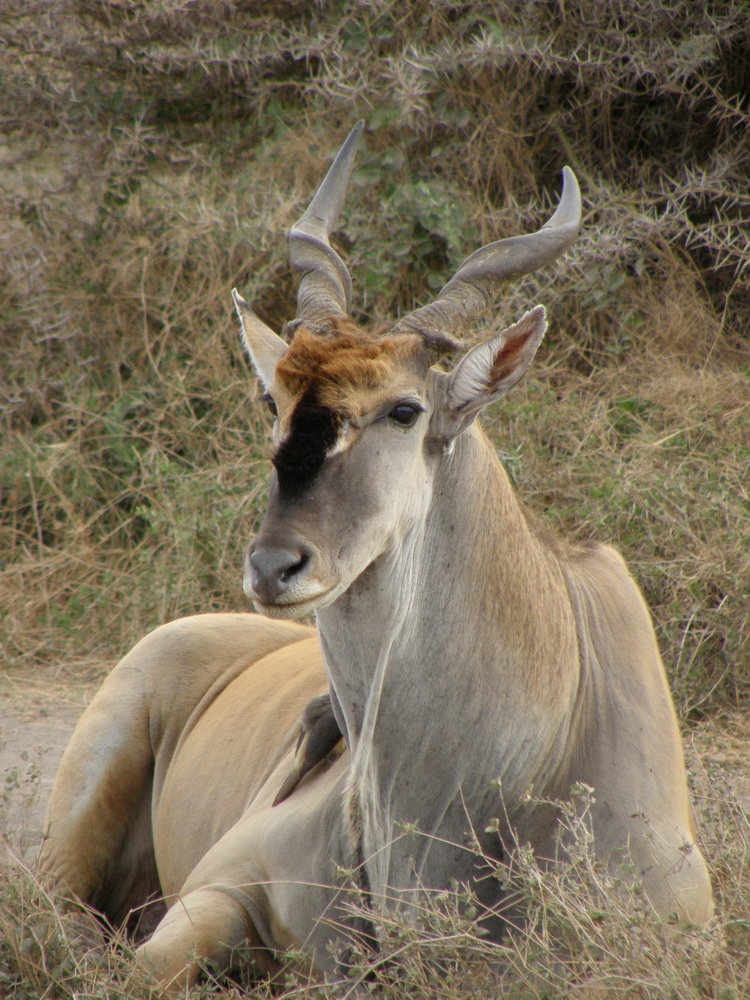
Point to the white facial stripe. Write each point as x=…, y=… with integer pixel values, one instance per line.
x=343, y=441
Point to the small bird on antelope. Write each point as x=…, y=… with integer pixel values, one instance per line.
x=319, y=737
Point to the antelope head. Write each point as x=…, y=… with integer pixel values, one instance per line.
x=362, y=423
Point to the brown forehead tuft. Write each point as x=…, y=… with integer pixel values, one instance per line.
x=345, y=363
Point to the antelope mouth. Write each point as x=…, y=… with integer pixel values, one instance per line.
x=292, y=608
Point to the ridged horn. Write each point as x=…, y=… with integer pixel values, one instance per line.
x=470, y=291
x=325, y=287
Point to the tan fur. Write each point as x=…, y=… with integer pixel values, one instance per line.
x=170, y=778
x=210, y=703
x=471, y=659
x=347, y=368
x=462, y=616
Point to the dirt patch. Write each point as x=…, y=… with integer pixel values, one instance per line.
x=36, y=720
x=717, y=754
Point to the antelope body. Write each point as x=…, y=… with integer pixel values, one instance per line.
x=469, y=657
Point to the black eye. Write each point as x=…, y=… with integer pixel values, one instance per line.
x=267, y=398
x=405, y=414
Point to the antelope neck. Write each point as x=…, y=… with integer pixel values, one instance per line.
x=416, y=670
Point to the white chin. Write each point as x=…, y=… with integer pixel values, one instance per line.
x=281, y=610
x=296, y=610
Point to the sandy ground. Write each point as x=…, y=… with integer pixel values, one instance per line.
x=37, y=717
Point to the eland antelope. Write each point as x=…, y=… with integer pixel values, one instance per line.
x=469, y=658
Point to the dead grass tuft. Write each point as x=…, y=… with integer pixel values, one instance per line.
x=51, y=948
x=584, y=932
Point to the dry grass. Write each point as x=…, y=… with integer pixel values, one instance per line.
x=153, y=155
x=585, y=934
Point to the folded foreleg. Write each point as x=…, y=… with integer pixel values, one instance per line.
x=98, y=840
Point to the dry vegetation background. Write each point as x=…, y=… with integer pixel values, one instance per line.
x=153, y=155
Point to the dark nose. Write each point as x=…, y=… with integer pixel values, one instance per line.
x=272, y=571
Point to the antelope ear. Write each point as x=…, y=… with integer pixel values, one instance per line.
x=491, y=368
x=264, y=348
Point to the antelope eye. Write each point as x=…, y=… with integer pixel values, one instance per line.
x=404, y=414
x=267, y=398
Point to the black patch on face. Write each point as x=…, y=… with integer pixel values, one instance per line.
x=314, y=431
